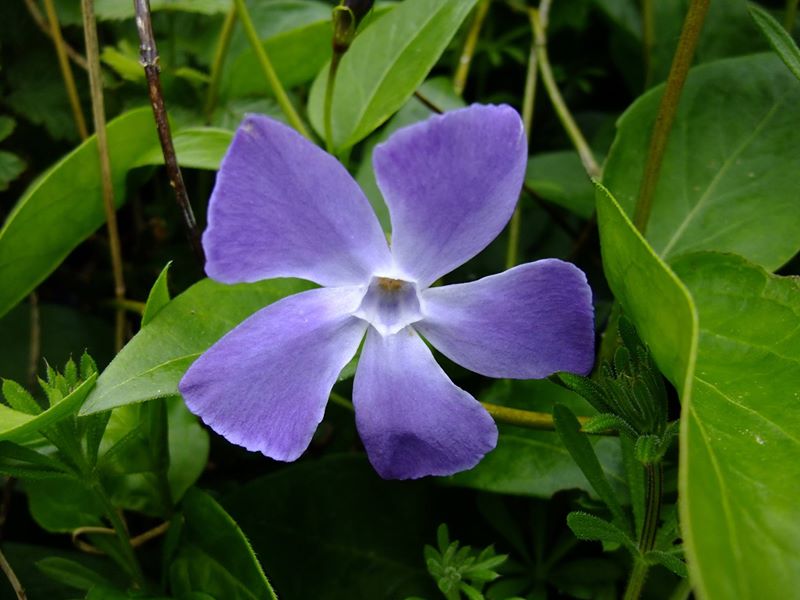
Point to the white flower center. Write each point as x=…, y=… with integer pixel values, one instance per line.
x=390, y=304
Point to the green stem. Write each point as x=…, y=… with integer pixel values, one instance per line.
x=528, y=101
x=526, y=418
x=790, y=15
x=268, y=69
x=465, y=60
x=637, y=579
x=539, y=23
x=654, y=483
x=219, y=59
x=5, y=566
x=648, y=39
x=328, y=108
x=690, y=34
x=66, y=70
x=682, y=590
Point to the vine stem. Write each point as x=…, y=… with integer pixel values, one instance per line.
x=668, y=108
x=468, y=51
x=268, y=69
x=528, y=101
x=41, y=23
x=99, y=115
x=148, y=52
x=539, y=23
x=221, y=51
x=66, y=70
x=790, y=15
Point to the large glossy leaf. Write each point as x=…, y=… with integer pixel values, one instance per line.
x=152, y=363
x=536, y=463
x=649, y=293
x=728, y=178
x=740, y=443
x=384, y=66
x=360, y=536
x=214, y=556
x=64, y=206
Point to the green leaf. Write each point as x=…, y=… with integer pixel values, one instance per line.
x=153, y=362
x=728, y=180
x=158, y=297
x=583, y=454
x=7, y=125
x=535, y=463
x=71, y=573
x=649, y=292
x=780, y=40
x=589, y=527
x=363, y=535
x=384, y=65
x=741, y=431
x=114, y=9
x=215, y=556
x=19, y=398
x=668, y=560
x=560, y=178
x=17, y=426
x=64, y=205
x=11, y=167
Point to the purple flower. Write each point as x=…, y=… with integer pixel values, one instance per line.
x=284, y=208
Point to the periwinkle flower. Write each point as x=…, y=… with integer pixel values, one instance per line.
x=282, y=207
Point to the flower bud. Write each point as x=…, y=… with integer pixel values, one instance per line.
x=346, y=18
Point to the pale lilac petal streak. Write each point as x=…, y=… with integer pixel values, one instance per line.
x=265, y=384
x=525, y=323
x=412, y=419
x=451, y=184
x=282, y=207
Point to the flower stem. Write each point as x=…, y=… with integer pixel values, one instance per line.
x=528, y=101
x=465, y=60
x=66, y=70
x=268, y=69
x=148, y=52
x=99, y=115
x=328, y=108
x=790, y=15
x=690, y=34
x=527, y=418
x=539, y=22
x=219, y=58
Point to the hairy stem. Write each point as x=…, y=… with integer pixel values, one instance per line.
x=149, y=59
x=41, y=23
x=528, y=101
x=654, y=483
x=539, y=22
x=99, y=115
x=690, y=34
x=468, y=51
x=221, y=51
x=790, y=15
x=66, y=70
x=268, y=69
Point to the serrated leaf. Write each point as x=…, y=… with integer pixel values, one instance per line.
x=668, y=560
x=19, y=398
x=780, y=40
x=589, y=527
x=384, y=65
x=153, y=362
x=16, y=426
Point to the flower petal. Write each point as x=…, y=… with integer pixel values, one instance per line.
x=412, y=419
x=282, y=207
x=525, y=323
x=451, y=184
x=265, y=384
